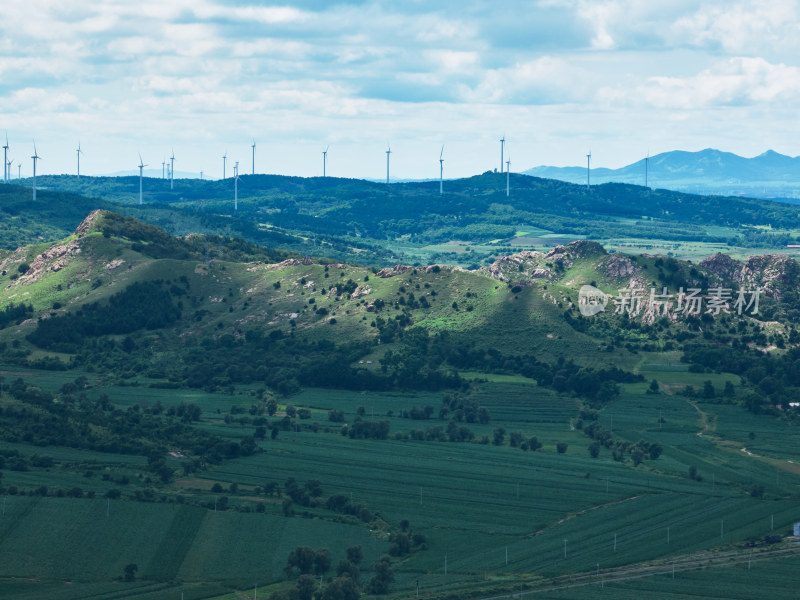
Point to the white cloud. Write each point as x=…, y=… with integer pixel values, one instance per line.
x=735, y=81
x=746, y=27
x=583, y=71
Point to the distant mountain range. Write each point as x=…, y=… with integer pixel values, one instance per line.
x=709, y=171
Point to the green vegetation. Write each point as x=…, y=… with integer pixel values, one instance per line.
x=200, y=424
x=372, y=223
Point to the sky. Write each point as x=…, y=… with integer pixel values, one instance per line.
x=557, y=78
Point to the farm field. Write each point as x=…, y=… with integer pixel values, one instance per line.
x=490, y=513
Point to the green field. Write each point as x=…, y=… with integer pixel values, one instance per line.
x=476, y=504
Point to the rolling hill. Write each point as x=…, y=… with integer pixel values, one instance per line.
x=471, y=224
x=225, y=409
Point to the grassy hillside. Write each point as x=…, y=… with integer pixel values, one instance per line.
x=201, y=408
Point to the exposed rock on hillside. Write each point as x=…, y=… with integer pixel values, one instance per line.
x=723, y=266
x=88, y=223
x=618, y=267
x=774, y=273
x=54, y=259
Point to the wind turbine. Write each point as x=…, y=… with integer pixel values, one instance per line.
x=502, y=144
x=141, y=168
x=79, y=152
x=224, y=160
x=172, y=170
x=10, y=162
x=35, y=157
x=19, y=170
x=6, y=174
x=588, y=169
x=508, y=176
x=441, y=171
x=388, y=152
x=325, y=161
x=253, y=146
x=163, y=163
x=236, y=187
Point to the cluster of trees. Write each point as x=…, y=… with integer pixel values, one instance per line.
x=144, y=305
x=602, y=437
x=14, y=314
x=307, y=565
x=775, y=378
x=80, y=422
x=376, y=430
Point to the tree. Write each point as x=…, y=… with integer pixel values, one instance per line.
x=272, y=407
x=561, y=447
x=729, y=391
x=322, y=561
x=341, y=588
x=349, y=568
x=384, y=576
x=130, y=571
x=355, y=555
x=594, y=449
x=653, y=387
x=498, y=436
x=306, y=584
x=401, y=544
x=301, y=558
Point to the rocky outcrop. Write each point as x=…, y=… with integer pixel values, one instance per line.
x=619, y=267
x=723, y=266
x=397, y=270
x=360, y=291
x=89, y=222
x=773, y=273
x=289, y=262
x=54, y=259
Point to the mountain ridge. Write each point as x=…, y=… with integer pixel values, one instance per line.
x=767, y=175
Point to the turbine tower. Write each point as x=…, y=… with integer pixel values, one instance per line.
x=253, y=146
x=10, y=162
x=141, y=168
x=502, y=144
x=508, y=176
x=19, y=170
x=441, y=171
x=236, y=187
x=224, y=160
x=325, y=161
x=6, y=173
x=588, y=169
x=172, y=170
x=388, y=152
x=79, y=152
x=163, y=163
x=35, y=157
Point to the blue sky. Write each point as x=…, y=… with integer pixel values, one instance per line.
x=557, y=77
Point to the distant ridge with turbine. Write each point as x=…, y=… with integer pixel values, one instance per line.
x=709, y=171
